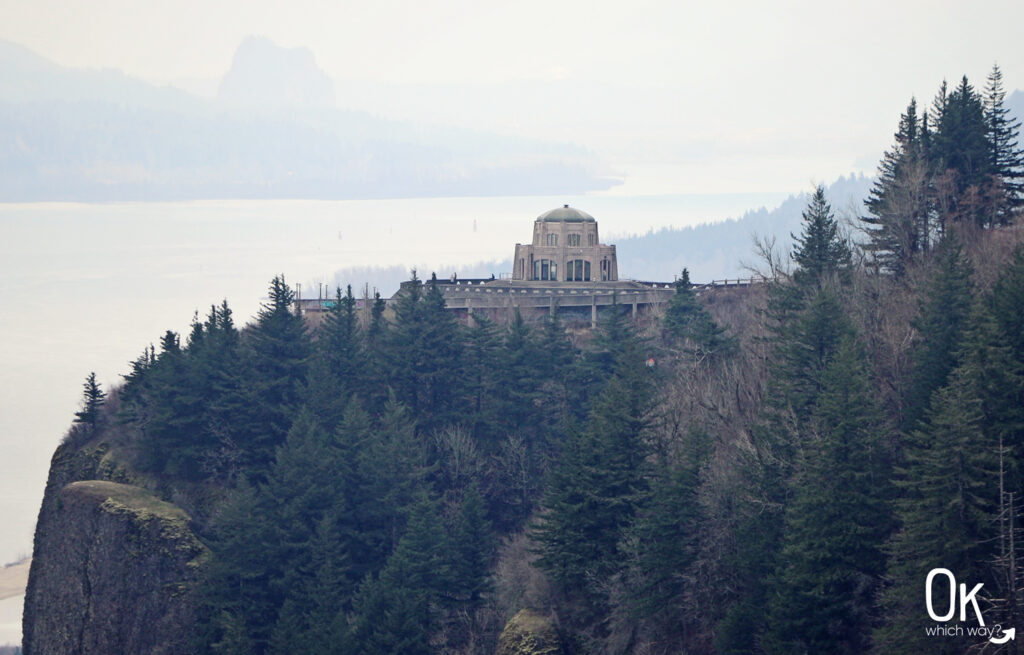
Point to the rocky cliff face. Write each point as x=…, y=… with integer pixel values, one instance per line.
x=114, y=567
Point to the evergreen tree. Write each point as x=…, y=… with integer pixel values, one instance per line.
x=835, y=526
x=424, y=349
x=999, y=379
x=470, y=554
x=93, y=398
x=1002, y=345
x=376, y=375
x=949, y=483
x=174, y=420
x=342, y=343
x=302, y=488
x=391, y=471
x=520, y=379
x=944, y=309
x=960, y=147
x=1006, y=157
x=808, y=327
x=899, y=222
x=616, y=349
x=311, y=620
x=663, y=541
x=1008, y=303
x=819, y=252
x=440, y=356
x=483, y=377
x=560, y=390
x=240, y=602
x=280, y=348
x=339, y=362
x=593, y=495
x=688, y=322
x=804, y=353
x=398, y=612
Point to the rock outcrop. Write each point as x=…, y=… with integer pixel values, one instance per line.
x=114, y=567
x=529, y=633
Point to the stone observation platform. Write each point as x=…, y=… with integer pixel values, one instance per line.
x=565, y=269
x=498, y=299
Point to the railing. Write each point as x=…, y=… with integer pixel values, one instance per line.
x=733, y=282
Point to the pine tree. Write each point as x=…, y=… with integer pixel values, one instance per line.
x=311, y=619
x=470, y=554
x=616, y=350
x=1006, y=156
x=593, y=495
x=1002, y=343
x=93, y=399
x=398, y=612
x=961, y=148
x=808, y=327
x=944, y=310
x=339, y=362
x=949, y=499
x=280, y=348
x=559, y=389
x=819, y=252
x=822, y=260
x=391, y=470
x=483, y=377
x=663, y=540
x=424, y=349
x=376, y=338
x=899, y=223
x=174, y=428
x=440, y=355
x=836, y=524
x=240, y=602
x=520, y=379
x=301, y=489
x=688, y=322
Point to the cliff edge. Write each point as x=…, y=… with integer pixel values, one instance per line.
x=114, y=567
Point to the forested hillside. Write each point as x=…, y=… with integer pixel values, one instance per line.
x=773, y=469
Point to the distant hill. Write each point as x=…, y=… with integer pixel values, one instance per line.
x=714, y=251
x=266, y=76
x=87, y=135
x=711, y=251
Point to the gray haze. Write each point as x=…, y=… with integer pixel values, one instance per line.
x=271, y=132
x=673, y=97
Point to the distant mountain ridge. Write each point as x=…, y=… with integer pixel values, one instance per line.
x=267, y=76
x=711, y=251
x=99, y=135
x=714, y=251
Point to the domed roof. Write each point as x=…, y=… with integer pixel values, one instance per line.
x=565, y=213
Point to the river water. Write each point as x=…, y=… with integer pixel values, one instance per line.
x=85, y=287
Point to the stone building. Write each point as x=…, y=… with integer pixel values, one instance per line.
x=566, y=248
x=565, y=270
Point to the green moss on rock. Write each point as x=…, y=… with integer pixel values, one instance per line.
x=529, y=633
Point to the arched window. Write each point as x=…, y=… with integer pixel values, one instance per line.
x=577, y=270
x=552, y=240
x=545, y=269
x=573, y=240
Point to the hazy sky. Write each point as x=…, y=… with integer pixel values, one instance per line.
x=679, y=97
